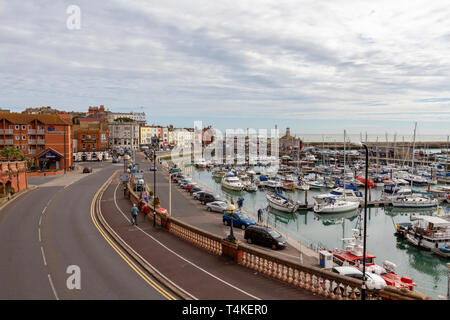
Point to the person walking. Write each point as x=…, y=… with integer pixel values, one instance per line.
x=260, y=212
x=240, y=202
x=134, y=214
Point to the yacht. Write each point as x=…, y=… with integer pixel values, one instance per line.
x=331, y=205
x=281, y=203
x=232, y=182
x=414, y=201
x=342, y=194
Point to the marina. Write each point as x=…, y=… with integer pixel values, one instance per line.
x=317, y=230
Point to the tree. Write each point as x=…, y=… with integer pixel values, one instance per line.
x=12, y=153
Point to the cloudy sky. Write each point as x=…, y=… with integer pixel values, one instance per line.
x=316, y=66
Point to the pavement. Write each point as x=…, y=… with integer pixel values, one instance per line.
x=199, y=274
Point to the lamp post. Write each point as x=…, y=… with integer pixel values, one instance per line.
x=363, y=288
x=230, y=209
x=170, y=193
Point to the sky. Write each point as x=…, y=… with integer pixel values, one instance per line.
x=315, y=66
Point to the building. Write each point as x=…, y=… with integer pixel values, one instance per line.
x=288, y=142
x=13, y=177
x=124, y=135
x=138, y=117
x=46, y=139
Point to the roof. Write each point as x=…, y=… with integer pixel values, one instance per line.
x=436, y=221
x=21, y=118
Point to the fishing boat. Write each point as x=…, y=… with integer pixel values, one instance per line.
x=352, y=255
x=232, y=182
x=331, y=205
x=430, y=232
x=281, y=203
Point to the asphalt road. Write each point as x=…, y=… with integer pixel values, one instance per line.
x=48, y=230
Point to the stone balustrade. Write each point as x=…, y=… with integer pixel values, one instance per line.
x=315, y=280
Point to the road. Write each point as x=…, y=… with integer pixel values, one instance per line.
x=48, y=230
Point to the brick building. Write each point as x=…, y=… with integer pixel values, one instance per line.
x=45, y=138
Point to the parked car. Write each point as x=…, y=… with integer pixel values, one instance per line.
x=208, y=197
x=115, y=160
x=189, y=186
x=184, y=181
x=87, y=170
x=373, y=281
x=197, y=194
x=240, y=220
x=153, y=168
x=265, y=236
x=195, y=189
x=217, y=206
x=178, y=177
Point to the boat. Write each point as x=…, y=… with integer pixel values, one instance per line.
x=273, y=182
x=331, y=205
x=315, y=184
x=352, y=255
x=430, y=232
x=281, y=203
x=250, y=187
x=342, y=194
x=443, y=251
x=414, y=201
x=232, y=182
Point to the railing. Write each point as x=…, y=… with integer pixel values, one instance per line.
x=315, y=280
x=31, y=141
x=6, y=131
x=40, y=141
x=9, y=141
x=40, y=131
x=31, y=131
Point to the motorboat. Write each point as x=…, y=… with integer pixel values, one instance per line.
x=281, y=203
x=430, y=232
x=250, y=186
x=331, y=205
x=273, y=182
x=315, y=184
x=232, y=182
x=443, y=251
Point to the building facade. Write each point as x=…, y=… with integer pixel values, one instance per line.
x=138, y=117
x=124, y=135
x=45, y=138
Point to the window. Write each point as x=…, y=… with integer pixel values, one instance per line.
x=30, y=127
x=24, y=147
x=17, y=137
x=84, y=146
x=24, y=127
x=93, y=146
x=17, y=127
x=24, y=137
x=83, y=137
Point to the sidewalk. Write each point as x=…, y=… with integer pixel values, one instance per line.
x=205, y=276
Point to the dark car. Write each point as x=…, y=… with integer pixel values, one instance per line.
x=264, y=236
x=208, y=197
x=197, y=194
x=87, y=170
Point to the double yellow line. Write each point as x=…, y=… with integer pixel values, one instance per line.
x=133, y=266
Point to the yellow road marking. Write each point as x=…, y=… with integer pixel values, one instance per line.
x=144, y=276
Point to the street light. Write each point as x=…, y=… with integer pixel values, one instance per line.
x=230, y=209
x=363, y=287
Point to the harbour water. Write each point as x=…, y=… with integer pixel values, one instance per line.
x=427, y=270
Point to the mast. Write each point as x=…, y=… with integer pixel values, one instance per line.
x=344, y=161
x=413, y=146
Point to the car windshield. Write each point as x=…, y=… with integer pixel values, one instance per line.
x=244, y=217
x=274, y=234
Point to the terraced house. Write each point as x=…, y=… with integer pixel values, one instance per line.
x=45, y=138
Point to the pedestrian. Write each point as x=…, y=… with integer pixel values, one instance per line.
x=232, y=200
x=260, y=212
x=134, y=214
x=240, y=202
x=124, y=190
x=146, y=210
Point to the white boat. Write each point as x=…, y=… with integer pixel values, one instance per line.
x=342, y=194
x=414, y=202
x=429, y=232
x=281, y=203
x=315, y=184
x=250, y=187
x=273, y=182
x=231, y=182
x=331, y=205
